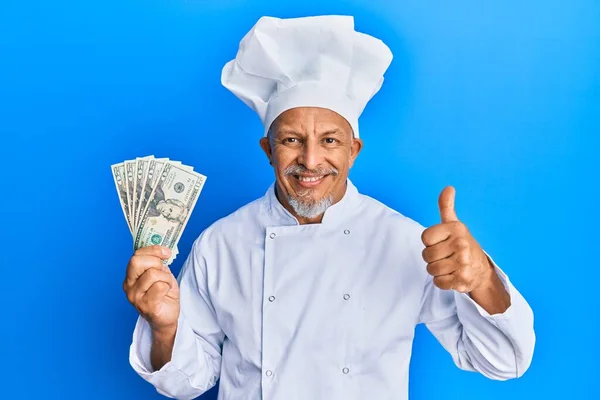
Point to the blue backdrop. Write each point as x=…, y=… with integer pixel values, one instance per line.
x=499, y=99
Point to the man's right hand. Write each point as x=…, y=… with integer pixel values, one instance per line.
x=152, y=289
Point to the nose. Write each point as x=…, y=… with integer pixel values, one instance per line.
x=311, y=155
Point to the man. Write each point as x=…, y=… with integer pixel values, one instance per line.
x=314, y=290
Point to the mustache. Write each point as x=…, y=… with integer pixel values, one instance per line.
x=300, y=169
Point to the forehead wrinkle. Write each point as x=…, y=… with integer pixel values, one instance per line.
x=286, y=131
x=306, y=122
x=297, y=127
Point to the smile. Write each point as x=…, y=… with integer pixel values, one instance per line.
x=309, y=181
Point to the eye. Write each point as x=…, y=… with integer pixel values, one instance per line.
x=330, y=140
x=291, y=141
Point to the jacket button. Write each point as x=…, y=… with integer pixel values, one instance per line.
x=272, y=236
x=269, y=373
x=346, y=231
x=346, y=296
x=345, y=370
x=271, y=298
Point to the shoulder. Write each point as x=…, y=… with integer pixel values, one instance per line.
x=380, y=221
x=400, y=234
x=241, y=223
x=386, y=217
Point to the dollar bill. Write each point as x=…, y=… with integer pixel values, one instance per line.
x=118, y=172
x=141, y=172
x=155, y=167
x=136, y=182
x=186, y=167
x=129, y=177
x=169, y=207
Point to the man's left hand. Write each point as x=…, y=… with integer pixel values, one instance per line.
x=453, y=256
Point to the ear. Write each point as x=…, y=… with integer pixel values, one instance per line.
x=355, y=148
x=265, y=145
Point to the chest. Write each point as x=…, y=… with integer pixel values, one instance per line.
x=317, y=282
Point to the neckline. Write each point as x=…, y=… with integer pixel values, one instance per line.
x=333, y=215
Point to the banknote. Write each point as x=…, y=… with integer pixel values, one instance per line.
x=156, y=196
x=141, y=171
x=169, y=207
x=153, y=172
x=118, y=172
x=155, y=167
x=129, y=177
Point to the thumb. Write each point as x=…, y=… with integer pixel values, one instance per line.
x=446, y=204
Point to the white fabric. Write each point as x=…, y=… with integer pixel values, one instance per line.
x=347, y=295
x=307, y=62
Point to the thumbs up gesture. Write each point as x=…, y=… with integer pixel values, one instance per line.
x=453, y=256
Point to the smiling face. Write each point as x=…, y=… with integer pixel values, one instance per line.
x=311, y=150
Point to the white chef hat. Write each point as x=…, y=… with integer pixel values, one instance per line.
x=307, y=62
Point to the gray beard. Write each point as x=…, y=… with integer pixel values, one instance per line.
x=310, y=208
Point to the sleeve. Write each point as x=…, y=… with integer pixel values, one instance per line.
x=195, y=364
x=499, y=346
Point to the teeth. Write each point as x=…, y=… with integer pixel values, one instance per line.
x=309, y=179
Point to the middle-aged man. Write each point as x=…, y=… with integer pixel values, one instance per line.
x=313, y=291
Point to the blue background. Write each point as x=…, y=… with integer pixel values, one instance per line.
x=499, y=99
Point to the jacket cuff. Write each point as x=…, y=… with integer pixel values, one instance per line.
x=464, y=300
x=139, y=351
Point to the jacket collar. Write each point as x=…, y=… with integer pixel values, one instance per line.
x=333, y=215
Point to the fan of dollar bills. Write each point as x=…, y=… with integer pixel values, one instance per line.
x=157, y=196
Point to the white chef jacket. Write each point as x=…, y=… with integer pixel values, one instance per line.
x=283, y=311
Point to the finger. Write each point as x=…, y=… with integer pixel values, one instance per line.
x=444, y=282
x=138, y=264
x=464, y=280
x=156, y=293
x=461, y=252
x=438, y=251
x=446, y=204
x=157, y=251
x=436, y=234
x=443, y=267
x=462, y=288
x=148, y=278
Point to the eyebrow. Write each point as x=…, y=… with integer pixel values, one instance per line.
x=332, y=132
x=293, y=132
x=287, y=132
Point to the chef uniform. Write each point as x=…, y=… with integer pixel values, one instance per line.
x=283, y=311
